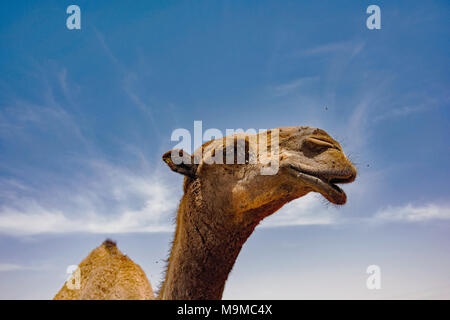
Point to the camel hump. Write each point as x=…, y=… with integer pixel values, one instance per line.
x=107, y=274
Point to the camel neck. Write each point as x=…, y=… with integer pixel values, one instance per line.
x=205, y=247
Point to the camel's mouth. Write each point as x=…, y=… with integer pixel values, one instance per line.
x=325, y=185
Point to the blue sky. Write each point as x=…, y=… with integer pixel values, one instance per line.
x=85, y=116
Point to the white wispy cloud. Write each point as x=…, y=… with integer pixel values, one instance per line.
x=111, y=200
x=308, y=210
x=294, y=85
x=411, y=213
x=7, y=267
x=23, y=121
x=131, y=83
x=93, y=195
x=406, y=110
x=4, y=267
x=352, y=47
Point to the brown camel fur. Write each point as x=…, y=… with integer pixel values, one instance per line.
x=223, y=203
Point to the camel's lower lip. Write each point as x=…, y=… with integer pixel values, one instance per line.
x=329, y=190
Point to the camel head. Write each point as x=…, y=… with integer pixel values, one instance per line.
x=235, y=172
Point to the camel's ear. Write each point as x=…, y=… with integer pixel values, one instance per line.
x=181, y=162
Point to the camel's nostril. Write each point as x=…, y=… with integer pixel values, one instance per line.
x=352, y=176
